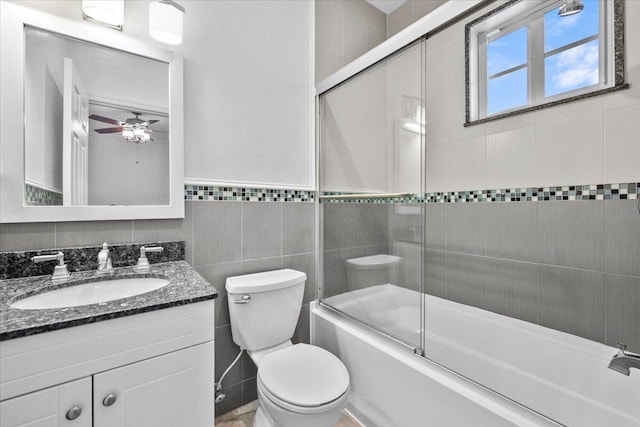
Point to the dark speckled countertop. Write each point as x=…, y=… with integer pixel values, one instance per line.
x=186, y=286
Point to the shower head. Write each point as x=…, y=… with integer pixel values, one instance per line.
x=570, y=7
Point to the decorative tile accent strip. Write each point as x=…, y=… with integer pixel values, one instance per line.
x=19, y=264
x=624, y=191
x=39, y=196
x=237, y=194
x=416, y=198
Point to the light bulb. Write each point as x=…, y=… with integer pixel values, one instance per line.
x=165, y=21
x=109, y=12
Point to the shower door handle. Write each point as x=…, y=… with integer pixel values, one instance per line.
x=245, y=300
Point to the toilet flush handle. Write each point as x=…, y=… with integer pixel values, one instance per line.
x=245, y=299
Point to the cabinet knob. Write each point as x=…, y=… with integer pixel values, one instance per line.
x=109, y=399
x=74, y=413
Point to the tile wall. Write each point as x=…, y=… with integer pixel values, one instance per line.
x=344, y=31
x=566, y=265
x=569, y=263
x=222, y=239
x=408, y=13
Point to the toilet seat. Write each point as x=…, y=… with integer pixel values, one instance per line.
x=303, y=379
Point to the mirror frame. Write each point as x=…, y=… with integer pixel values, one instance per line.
x=13, y=19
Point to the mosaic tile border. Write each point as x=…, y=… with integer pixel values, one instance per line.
x=40, y=197
x=416, y=198
x=622, y=191
x=241, y=194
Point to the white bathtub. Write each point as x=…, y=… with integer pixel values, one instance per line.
x=554, y=377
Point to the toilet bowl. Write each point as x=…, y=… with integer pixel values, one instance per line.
x=302, y=385
x=298, y=385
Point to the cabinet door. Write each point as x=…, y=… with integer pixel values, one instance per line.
x=176, y=389
x=49, y=407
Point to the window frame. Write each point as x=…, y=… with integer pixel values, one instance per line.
x=517, y=14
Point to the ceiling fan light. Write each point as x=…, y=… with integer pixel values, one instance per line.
x=166, y=21
x=127, y=134
x=107, y=12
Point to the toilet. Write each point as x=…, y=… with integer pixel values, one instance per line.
x=298, y=385
x=372, y=270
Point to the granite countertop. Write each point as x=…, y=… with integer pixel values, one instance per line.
x=186, y=286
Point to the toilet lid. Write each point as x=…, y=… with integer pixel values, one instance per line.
x=304, y=375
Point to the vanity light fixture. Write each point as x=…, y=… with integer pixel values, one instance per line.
x=106, y=12
x=570, y=7
x=165, y=21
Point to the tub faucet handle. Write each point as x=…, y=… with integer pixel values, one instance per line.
x=621, y=349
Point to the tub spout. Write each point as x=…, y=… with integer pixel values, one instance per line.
x=623, y=361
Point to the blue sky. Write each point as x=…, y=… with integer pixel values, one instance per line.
x=565, y=71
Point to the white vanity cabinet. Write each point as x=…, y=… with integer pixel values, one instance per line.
x=50, y=407
x=153, y=369
x=166, y=391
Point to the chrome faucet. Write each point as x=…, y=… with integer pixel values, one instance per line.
x=143, y=262
x=60, y=272
x=623, y=361
x=104, y=260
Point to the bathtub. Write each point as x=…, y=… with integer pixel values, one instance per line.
x=499, y=371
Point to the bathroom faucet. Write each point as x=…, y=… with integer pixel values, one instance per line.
x=143, y=262
x=60, y=272
x=104, y=260
x=623, y=361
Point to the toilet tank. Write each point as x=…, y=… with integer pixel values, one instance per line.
x=264, y=307
x=372, y=270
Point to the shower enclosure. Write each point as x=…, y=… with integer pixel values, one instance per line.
x=372, y=131
x=480, y=276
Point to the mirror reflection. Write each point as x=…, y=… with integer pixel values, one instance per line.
x=96, y=124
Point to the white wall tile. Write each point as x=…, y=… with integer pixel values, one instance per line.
x=355, y=37
x=376, y=35
x=571, y=151
x=512, y=159
x=330, y=34
x=399, y=19
x=327, y=62
x=622, y=145
x=629, y=96
x=466, y=164
x=510, y=123
x=435, y=167
x=570, y=110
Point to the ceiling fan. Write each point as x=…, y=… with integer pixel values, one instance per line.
x=133, y=129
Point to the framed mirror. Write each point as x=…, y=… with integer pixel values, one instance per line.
x=92, y=122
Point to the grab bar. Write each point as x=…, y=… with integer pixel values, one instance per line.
x=367, y=196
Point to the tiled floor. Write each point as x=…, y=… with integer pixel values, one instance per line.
x=243, y=417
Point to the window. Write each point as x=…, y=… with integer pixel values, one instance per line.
x=523, y=56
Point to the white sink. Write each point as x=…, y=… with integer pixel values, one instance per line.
x=91, y=293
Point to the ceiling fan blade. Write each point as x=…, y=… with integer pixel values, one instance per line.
x=104, y=119
x=150, y=122
x=109, y=130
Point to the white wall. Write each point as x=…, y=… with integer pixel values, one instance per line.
x=248, y=91
x=248, y=68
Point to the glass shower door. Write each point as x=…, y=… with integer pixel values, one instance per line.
x=371, y=186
